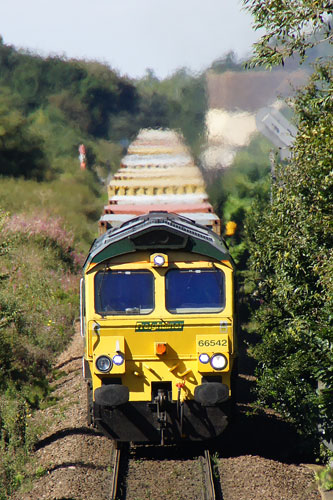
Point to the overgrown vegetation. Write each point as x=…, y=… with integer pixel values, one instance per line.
x=290, y=238
x=75, y=199
x=38, y=304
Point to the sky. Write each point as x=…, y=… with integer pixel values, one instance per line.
x=130, y=35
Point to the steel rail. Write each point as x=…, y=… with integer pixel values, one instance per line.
x=115, y=461
x=208, y=478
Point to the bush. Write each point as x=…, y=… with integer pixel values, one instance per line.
x=21, y=150
x=17, y=436
x=290, y=242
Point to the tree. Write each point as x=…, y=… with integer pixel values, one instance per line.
x=21, y=151
x=292, y=27
x=226, y=63
x=290, y=238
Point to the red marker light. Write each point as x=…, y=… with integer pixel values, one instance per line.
x=160, y=348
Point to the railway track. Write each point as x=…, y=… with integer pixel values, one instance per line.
x=206, y=485
x=209, y=480
x=115, y=463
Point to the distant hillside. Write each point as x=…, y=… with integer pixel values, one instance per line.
x=48, y=106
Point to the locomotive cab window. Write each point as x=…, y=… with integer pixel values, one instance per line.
x=124, y=292
x=195, y=290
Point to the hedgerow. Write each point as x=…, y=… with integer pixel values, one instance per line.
x=291, y=271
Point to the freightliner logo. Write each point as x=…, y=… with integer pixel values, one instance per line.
x=159, y=326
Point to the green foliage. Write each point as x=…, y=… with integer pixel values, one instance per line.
x=290, y=243
x=21, y=151
x=5, y=243
x=72, y=198
x=40, y=471
x=325, y=478
x=50, y=106
x=226, y=63
x=38, y=303
x=291, y=28
x=177, y=102
x=17, y=436
x=86, y=92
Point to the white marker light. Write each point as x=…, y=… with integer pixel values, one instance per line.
x=204, y=358
x=118, y=359
x=159, y=260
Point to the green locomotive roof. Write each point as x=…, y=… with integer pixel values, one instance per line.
x=158, y=231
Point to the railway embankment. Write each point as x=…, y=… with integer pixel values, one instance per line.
x=255, y=458
x=38, y=302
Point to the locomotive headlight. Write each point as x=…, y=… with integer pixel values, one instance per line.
x=204, y=358
x=159, y=260
x=218, y=361
x=118, y=359
x=103, y=364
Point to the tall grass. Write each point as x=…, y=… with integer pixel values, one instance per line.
x=38, y=304
x=77, y=200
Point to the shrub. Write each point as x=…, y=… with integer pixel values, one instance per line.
x=17, y=436
x=290, y=242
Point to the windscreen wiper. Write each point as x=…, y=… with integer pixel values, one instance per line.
x=100, y=288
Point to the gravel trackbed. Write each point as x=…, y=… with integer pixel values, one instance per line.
x=73, y=462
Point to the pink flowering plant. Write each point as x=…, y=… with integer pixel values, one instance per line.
x=48, y=231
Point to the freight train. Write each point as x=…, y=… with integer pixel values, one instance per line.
x=158, y=303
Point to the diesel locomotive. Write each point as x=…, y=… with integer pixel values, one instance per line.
x=158, y=306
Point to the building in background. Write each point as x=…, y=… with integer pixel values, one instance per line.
x=242, y=103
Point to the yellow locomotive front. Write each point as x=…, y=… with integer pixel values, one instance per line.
x=159, y=326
